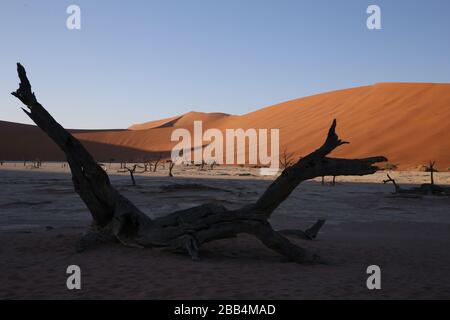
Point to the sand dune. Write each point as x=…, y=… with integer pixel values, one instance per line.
x=26, y=142
x=185, y=120
x=407, y=122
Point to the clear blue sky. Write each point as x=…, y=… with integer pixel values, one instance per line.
x=136, y=61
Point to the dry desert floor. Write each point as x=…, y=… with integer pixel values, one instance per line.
x=41, y=219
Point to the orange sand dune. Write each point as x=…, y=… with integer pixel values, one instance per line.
x=26, y=142
x=155, y=124
x=185, y=120
x=407, y=122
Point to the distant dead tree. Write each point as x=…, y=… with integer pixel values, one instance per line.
x=202, y=165
x=132, y=170
x=116, y=218
x=286, y=159
x=333, y=183
x=147, y=165
x=155, y=166
x=430, y=168
x=168, y=162
x=122, y=165
x=171, y=165
x=423, y=189
x=396, y=186
x=323, y=180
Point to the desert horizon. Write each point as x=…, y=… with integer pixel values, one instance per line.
x=365, y=113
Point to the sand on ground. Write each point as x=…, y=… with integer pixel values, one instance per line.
x=41, y=218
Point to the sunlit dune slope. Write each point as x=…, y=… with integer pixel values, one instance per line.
x=408, y=123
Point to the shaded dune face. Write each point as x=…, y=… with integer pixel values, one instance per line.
x=407, y=122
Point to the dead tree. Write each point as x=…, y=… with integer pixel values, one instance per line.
x=132, y=170
x=431, y=169
x=171, y=165
x=423, y=189
x=286, y=159
x=117, y=218
x=333, y=183
x=396, y=186
x=202, y=165
x=156, y=162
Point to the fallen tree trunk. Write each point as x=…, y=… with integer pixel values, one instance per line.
x=117, y=218
x=423, y=189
